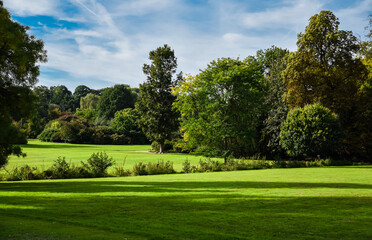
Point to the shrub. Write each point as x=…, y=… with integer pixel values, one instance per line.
x=120, y=171
x=60, y=168
x=50, y=135
x=139, y=169
x=102, y=135
x=160, y=168
x=120, y=139
x=98, y=164
x=181, y=146
x=311, y=131
x=23, y=173
x=153, y=168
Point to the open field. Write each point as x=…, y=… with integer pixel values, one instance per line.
x=42, y=154
x=306, y=203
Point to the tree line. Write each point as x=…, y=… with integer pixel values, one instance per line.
x=311, y=103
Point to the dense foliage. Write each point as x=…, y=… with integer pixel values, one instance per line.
x=115, y=99
x=325, y=69
x=275, y=104
x=311, y=131
x=158, y=119
x=20, y=54
x=273, y=61
x=221, y=106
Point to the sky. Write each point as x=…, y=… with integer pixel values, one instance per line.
x=100, y=43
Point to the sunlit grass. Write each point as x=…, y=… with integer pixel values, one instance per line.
x=42, y=154
x=307, y=203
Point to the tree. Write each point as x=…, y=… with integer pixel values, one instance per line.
x=158, y=119
x=115, y=99
x=90, y=101
x=311, y=131
x=80, y=92
x=63, y=98
x=126, y=123
x=221, y=107
x=20, y=54
x=273, y=63
x=325, y=69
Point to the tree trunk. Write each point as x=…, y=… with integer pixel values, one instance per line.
x=161, y=146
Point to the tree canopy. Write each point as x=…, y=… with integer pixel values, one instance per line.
x=114, y=99
x=311, y=131
x=20, y=54
x=221, y=106
x=158, y=119
x=325, y=69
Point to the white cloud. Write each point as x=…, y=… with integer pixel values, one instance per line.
x=31, y=8
x=293, y=16
x=355, y=18
x=141, y=7
x=106, y=44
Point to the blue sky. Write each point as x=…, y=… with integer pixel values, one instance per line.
x=99, y=43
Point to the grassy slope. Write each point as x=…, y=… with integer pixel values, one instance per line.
x=42, y=155
x=307, y=203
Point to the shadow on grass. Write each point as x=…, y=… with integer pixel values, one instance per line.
x=188, y=210
x=95, y=186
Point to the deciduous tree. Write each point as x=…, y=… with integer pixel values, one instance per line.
x=20, y=54
x=221, y=107
x=311, y=131
x=273, y=62
x=158, y=119
x=325, y=69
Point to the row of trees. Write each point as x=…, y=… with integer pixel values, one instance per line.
x=313, y=102
x=97, y=106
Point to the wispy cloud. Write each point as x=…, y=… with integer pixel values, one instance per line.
x=32, y=8
x=107, y=42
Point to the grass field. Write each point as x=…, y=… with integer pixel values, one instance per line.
x=305, y=203
x=42, y=154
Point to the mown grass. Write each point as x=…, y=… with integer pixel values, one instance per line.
x=42, y=154
x=306, y=203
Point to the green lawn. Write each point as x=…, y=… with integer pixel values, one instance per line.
x=42, y=154
x=305, y=203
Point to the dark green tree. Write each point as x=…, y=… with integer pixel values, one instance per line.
x=221, y=107
x=273, y=63
x=311, y=131
x=325, y=69
x=80, y=92
x=20, y=54
x=158, y=120
x=63, y=98
x=126, y=123
x=115, y=99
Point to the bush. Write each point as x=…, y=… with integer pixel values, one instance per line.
x=75, y=129
x=50, y=135
x=186, y=166
x=181, y=146
x=153, y=168
x=60, y=169
x=160, y=168
x=23, y=173
x=98, y=164
x=102, y=135
x=311, y=131
x=120, y=139
x=139, y=169
x=120, y=171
